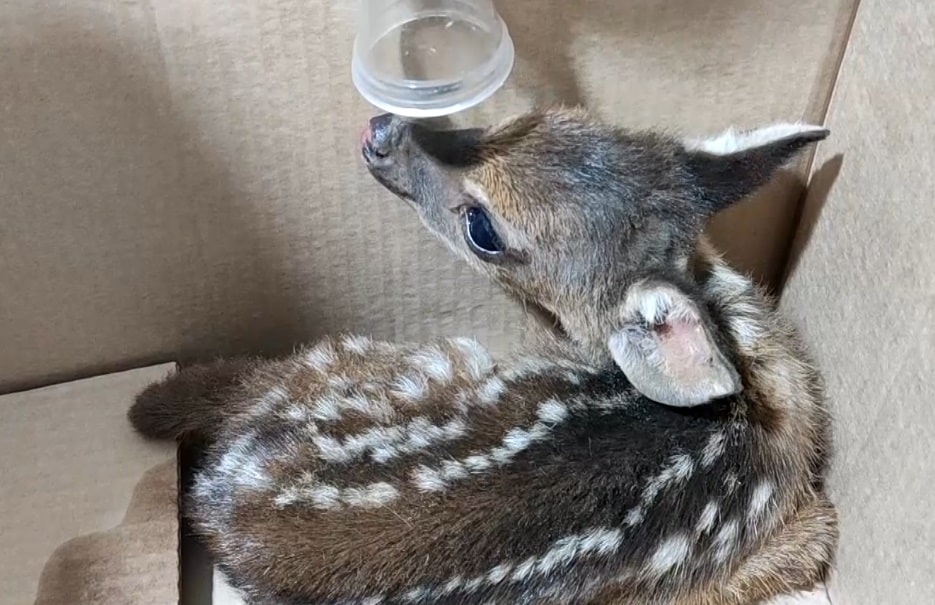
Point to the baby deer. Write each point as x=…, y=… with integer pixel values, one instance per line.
x=666, y=445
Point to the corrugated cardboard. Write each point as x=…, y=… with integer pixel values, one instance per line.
x=88, y=509
x=863, y=289
x=181, y=178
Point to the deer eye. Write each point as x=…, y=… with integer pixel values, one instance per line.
x=479, y=232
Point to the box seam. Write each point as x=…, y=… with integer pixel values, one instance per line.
x=809, y=166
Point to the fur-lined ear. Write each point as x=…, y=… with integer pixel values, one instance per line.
x=734, y=164
x=667, y=351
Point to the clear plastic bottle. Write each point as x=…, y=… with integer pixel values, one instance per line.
x=428, y=58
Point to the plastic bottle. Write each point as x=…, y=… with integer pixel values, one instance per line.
x=428, y=58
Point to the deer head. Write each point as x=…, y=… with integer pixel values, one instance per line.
x=592, y=223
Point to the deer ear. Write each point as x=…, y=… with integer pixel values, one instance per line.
x=667, y=351
x=734, y=164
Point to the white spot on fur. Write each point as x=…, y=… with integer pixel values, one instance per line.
x=478, y=464
x=731, y=483
x=298, y=413
x=760, y=499
x=381, y=455
x=421, y=434
x=356, y=344
x=514, y=441
x=714, y=449
x=452, y=470
x=376, y=600
x=327, y=408
x=379, y=438
x=330, y=449
x=452, y=585
x=724, y=541
x=330, y=497
x=476, y=359
x=499, y=573
x=501, y=454
x=679, y=470
x=708, y=518
x=325, y=496
x=491, y=390
x=415, y=595
x=433, y=362
x=539, y=431
x=524, y=569
x=320, y=357
x=634, y=516
x=683, y=467
x=563, y=552
x=241, y=464
x=517, y=439
x=553, y=411
x=671, y=554
x=371, y=496
x=357, y=402
x=733, y=141
x=251, y=474
x=410, y=388
x=388, y=442
x=601, y=541
x=428, y=480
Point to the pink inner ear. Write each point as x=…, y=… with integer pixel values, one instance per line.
x=684, y=349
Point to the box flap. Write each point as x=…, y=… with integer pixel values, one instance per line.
x=862, y=287
x=89, y=509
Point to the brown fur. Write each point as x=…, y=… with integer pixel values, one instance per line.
x=795, y=558
x=367, y=472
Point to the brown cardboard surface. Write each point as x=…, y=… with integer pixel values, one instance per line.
x=862, y=288
x=181, y=178
x=88, y=510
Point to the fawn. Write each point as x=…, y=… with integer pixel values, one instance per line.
x=667, y=442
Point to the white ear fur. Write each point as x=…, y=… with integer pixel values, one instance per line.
x=732, y=141
x=667, y=352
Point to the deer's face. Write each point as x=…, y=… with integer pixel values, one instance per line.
x=553, y=205
x=570, y=213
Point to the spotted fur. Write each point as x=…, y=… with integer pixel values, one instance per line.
x=593, y=469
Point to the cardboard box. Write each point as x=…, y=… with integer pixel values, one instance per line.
x=181, y=179
x=88, y=509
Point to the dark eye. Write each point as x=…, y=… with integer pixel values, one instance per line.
x=479, y=232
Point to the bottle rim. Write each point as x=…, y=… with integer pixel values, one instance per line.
x=434, y=98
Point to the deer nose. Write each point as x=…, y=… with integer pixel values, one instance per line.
x=381, y=137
